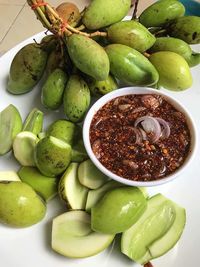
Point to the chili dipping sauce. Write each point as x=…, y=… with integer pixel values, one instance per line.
x=140, y=137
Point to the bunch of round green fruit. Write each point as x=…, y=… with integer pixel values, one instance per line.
x=94, y=50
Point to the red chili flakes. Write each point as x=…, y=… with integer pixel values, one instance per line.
x=127, y=151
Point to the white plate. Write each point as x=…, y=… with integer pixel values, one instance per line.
x=31, y=247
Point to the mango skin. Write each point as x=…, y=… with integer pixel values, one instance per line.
x=186, y=28
x=52, y=159
x=76, y=98
x=118, y=210
x=177, y=46
x=101, y=13
x=20, y=205
x=130, y=66
x=26, y=69
x=102, y=87
x=53, y=88
x=161, y=12
x=88, y=56
x=131, y=33
x=173, y=70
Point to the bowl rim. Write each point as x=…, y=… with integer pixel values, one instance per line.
x=139, y=90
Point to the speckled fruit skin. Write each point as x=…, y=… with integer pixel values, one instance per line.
x=52, y=156
x=76, y=98
x=101, y=13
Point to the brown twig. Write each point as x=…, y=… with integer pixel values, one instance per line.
x=148, y=264
x=53, y=22
x=135, y=5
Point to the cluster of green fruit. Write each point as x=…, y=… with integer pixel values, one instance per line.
x=152, y=50
x=98, y=208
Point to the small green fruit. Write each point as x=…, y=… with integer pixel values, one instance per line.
x=174, y=72
x=45, y=186
x=20, y=205
x=52, y=156
x=118, y=210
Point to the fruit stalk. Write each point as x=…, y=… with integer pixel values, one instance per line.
x=135, y=4
x=54, y=23
x=148, y=264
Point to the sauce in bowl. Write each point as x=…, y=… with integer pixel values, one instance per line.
x=140, y=137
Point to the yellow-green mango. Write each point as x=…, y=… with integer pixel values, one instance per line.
x=76, y=98
x=26, y=69
x=174, y=72
x=101, y=13
x=53, y=88
x=10, y=126
x=49, y=43
x=88, y=56
x=20, y=205
x=102, y=87
x=161, y=12
x=186, y=28
x=177, y=46
x=130, y=66
x=131, y=33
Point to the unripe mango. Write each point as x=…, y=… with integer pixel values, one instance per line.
x=131, y=33
x=26, y=69
x=186, y=28
x=88, y=56
x=101, y=13
x=20, y=205
x=102, y=87
x=161, y=12
x=76, y=98
x=177, y=46
x=130, y=66
x=173, y=70
x=53, y=88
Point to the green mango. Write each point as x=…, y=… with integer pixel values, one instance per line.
x=174, y=72
x=26, y=69
x=177, y=46
x=88, y=56
x=131, y=33
x=161, y=12
x=49, y=43
x=20, y=205
x=45, y=186
x=34, y=121
x=102, y=87
x=130, y=66
x=62, y=129
x=53, y=88
x=185, y=28
x=76, y=98
x=118, y=210
x=101, y=13
x=52, y=156
x=10, y=126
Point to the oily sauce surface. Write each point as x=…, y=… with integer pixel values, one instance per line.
x=116, y=145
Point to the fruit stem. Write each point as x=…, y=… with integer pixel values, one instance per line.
x=148, y=264
x=81, y=27
x=135, y=4
x=56, y=25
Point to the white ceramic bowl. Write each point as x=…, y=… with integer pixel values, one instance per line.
x=138, y=90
